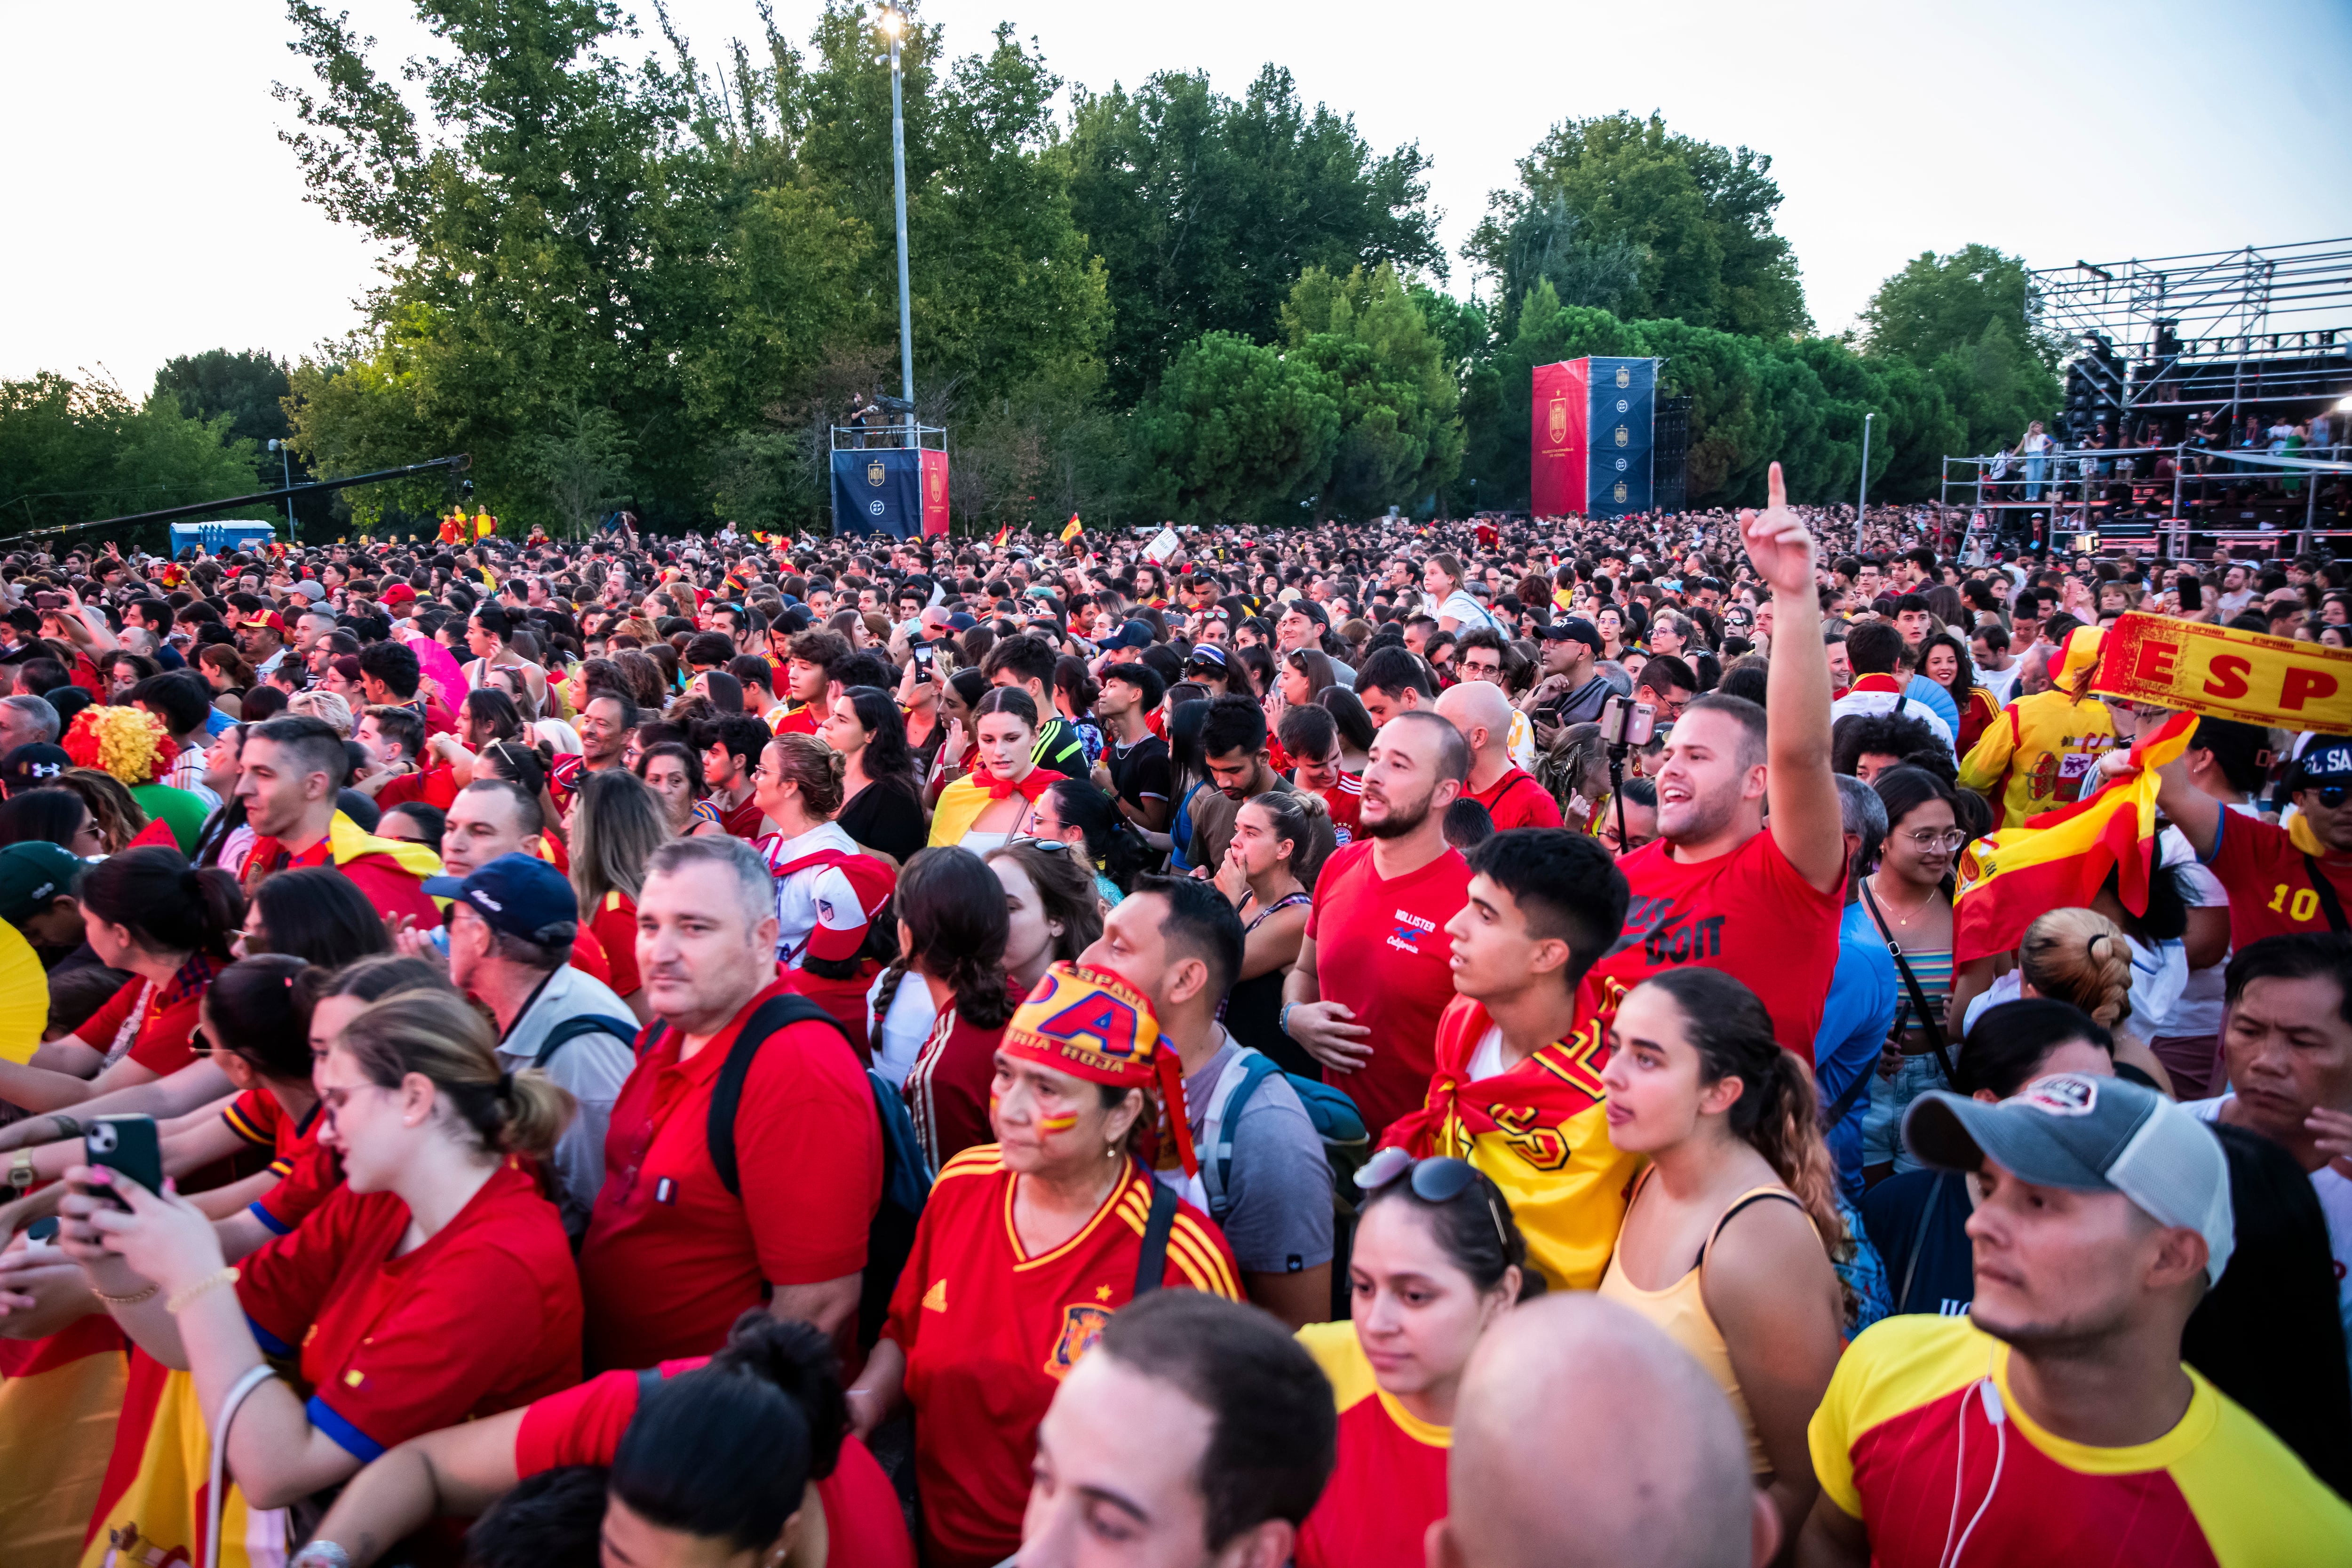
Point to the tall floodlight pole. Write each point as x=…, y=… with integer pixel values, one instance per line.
x=285, y=462
x=1862, y=495
x=894, y=23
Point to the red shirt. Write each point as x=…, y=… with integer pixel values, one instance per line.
x=1747, y=913
x=864, y=1526
x=989, y=1334
x=614, y=928
x=1388, y=1483
x=1345, y=801
x=1519, y=801
x=745, y=820
x=671, y=1258
x=166, y=1022
x=391, y=887
x=2268, y=879
x=436, y=787
x=588, y=956
x=307, y=1172
x=947, y=1089
x=798, y=719
x=1381, y=949
x=395, y=1346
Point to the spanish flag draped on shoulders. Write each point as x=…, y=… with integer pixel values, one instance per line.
x=1540, y=1129
x=2041, y=753
x=2060, y=858
x=390, y=871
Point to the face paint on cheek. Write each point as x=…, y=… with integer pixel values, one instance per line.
x=1061, y=1123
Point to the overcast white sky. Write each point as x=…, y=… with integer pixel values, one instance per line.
x=152, y=211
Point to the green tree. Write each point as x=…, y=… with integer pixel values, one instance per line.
x=1235, y=431
x=72, y=452
x=1401, y=437
x=1204, y=208
x=584, y=463
x=1966, y=320
x=1700, y=216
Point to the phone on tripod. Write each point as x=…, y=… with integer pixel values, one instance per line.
x=1628, y=724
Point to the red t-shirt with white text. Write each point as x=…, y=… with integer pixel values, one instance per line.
x=1381, y=949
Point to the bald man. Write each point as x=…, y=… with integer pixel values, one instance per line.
x=1574, y=1385
x=1510, y=794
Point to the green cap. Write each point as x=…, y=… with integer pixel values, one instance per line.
x=34, y=875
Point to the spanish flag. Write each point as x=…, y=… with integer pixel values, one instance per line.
x=152, y=1504
x=1002, y=535
x=1075, y=529
x=60, y=1399
x=2058, y=860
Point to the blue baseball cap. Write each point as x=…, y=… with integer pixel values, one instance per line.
x=521, y=895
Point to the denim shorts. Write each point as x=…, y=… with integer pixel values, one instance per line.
x=1882, y=1130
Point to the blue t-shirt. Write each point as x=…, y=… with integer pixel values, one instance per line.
x=1863, y=993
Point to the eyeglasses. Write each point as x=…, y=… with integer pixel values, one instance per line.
x=1438, y=1180
x=1928, y=842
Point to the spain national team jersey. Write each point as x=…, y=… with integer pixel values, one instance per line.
x=990, y=1333
x=2269, y=880
x=1389, y=1483
x=1540, y=1132
x=1904, y=1441
x=2042, y=753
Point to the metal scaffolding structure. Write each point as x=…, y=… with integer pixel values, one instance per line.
x=2225, y=329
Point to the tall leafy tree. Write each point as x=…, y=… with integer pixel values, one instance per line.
x=73, y=451
x=1700, y=217
x=1966, y=320
x=1236, y=430
x=1400, y=438
x=1205, y=208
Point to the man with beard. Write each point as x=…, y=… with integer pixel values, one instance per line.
x=2058, y=1406
x=1374, y=971
x=1718, y=888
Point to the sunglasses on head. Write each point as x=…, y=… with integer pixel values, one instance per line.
x=1440, y=1179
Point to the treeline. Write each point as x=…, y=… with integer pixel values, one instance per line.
x=659, y=286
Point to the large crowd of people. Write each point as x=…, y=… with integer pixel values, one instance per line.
x=1405, y=1043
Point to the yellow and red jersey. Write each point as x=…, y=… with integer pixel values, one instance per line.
x=989, y=1333
x=1906, y=1441
x=2039, y=754
x=1389, y=1483
x=1539, y=1131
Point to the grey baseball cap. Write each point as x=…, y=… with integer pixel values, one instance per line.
x=2090, y=1134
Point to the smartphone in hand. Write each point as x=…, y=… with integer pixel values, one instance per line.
x=128, y=1144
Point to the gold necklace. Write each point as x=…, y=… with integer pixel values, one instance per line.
x=1902, y=916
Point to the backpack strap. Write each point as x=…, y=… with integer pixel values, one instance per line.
x=580, y=1024
x=1152, y=1261
x=775, y=1014
x=2329, y=904
x=648, y=1379
x=1249, y=1069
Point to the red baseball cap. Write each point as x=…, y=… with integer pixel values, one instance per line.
x=270, y=618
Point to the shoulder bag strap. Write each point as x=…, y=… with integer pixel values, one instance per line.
x=1838, y=1109
x=1918, y=1239
x=2329, y=904
x=1911, y=984
x=1152, y=1261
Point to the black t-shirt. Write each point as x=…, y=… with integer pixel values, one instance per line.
x=1139, y=769
x=886, y=817
x=1060, y=750
x=1916, y=1221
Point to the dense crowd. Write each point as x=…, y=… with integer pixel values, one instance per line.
x=1403, y=1043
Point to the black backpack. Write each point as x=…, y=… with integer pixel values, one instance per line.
x=580, y=1024
x=905, y=1178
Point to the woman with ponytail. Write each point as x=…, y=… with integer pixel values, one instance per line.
x=147, y=911
x=1728, y=1240
x=380, y=1293
x=952, y=928
x=745, y=1451
x=2084, y=958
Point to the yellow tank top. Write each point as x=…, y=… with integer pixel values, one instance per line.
x=1681, y=1310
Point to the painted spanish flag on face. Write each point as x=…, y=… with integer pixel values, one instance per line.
x=2058, y=860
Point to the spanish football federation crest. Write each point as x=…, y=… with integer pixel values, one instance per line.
x=1082, y=1325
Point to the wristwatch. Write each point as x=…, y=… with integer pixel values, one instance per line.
x=21, y=1174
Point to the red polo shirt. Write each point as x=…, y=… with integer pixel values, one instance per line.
x=671, y=1258
x=395, y=1345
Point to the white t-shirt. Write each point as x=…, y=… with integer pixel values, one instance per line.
x=2335, y=1202
x=898, y=1039
x=2198, y=1012
x=2000, y=682
x=1468, y=613
x=1885, y=703
x=1486, y=1059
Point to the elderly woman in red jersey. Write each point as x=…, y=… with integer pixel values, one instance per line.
x=382, y=1292
x=1437, y=1261
x=1027, y=1246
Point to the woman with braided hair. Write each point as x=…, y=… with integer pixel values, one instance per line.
x=952, y=929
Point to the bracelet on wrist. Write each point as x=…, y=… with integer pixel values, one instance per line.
x=132, y=1299
x=187, y=1293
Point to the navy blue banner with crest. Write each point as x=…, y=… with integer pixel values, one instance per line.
x=1624, y=394
x=879, y=490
